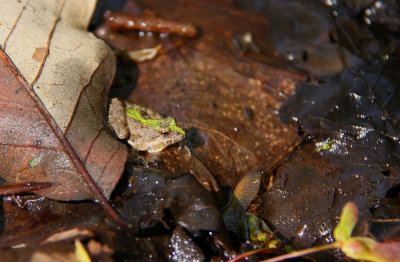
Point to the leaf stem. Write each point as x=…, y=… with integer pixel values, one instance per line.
x=253, y=252
x=304, y=252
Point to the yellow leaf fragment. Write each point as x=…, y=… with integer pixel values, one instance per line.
x=247, y=188
x=348, y=221
x=80, y=252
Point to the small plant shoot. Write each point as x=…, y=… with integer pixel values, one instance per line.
x=323, y=146
x=358, y=248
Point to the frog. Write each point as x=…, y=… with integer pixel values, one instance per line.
x=143, y=128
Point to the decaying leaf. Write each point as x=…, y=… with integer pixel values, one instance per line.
x=183, y=248
x=247, y=188
x=54, y=84
x=192, y=207
x=235, y=216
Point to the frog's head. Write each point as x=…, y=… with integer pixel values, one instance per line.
x=150, y=131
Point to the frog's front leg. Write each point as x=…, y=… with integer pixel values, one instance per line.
x=117, y=119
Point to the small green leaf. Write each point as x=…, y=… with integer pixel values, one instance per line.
x=348, y=220
x=324, y=146
x=34, y=161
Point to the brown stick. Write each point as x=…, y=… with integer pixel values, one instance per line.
x=23, y=188
x=121, y=21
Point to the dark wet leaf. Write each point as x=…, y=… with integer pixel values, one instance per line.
x=142, y=203
x=314, y=185
x=35, y=219
x=183, y=248
x=361, y=117
x=177, y=214
x=179, y=160
x=309, y=190
x=301, y=32
x=192, y=207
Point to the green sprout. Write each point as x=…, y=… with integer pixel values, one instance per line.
x=324, y=146
x=155, y=123
x=256, y=232
x=359, y=248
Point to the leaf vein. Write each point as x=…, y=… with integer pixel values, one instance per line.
x=91, y=144
x=83, y=90
x=17, y=105
x=50, y=36
x=30, y=146
x=15, y=24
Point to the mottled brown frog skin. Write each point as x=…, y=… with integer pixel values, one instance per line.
x=140, y=136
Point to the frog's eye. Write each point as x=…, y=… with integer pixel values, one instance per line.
x=165, y=133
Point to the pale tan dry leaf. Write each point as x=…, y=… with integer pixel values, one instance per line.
x=73, y=233
x=50, y=257
x=73, y=53
x=144, y=54
x=70, y=70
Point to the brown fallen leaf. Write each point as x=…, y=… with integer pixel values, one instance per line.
x=55, y=78
x=227, y=104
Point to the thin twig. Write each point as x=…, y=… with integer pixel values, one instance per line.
x=24, y=187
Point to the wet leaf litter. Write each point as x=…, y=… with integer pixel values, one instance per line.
x=228, y=101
